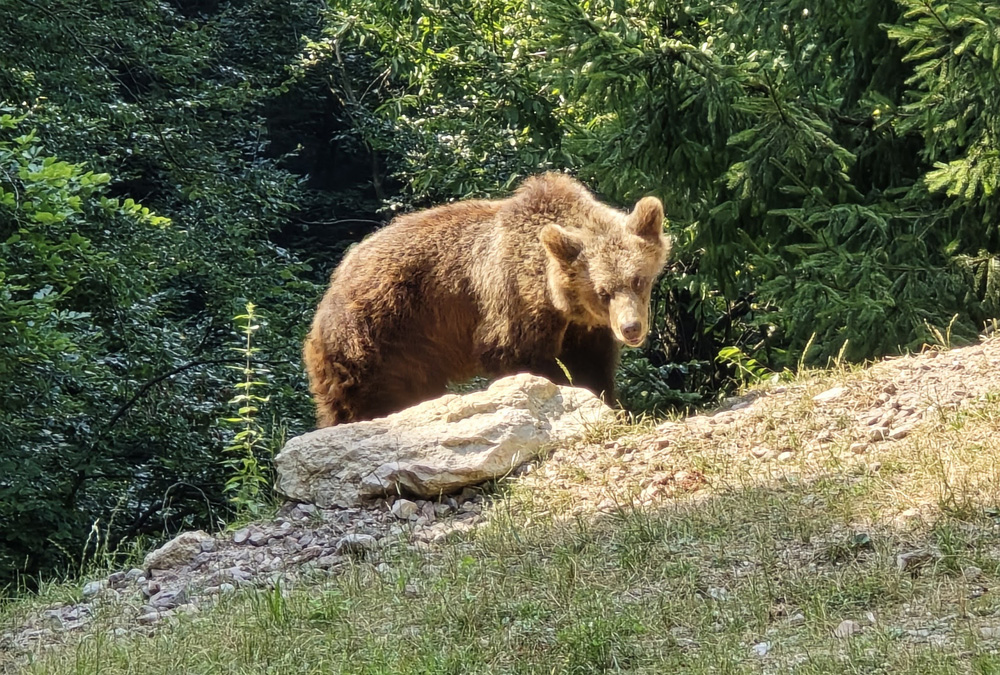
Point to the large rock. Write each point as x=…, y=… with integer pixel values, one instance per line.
x=436, y=447
x=178, y=551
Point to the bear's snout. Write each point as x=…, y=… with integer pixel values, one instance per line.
x=628, y=318
x=632, y=332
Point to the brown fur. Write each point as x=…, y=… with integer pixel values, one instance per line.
x=484, y=287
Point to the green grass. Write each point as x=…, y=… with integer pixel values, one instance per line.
x=765, y=552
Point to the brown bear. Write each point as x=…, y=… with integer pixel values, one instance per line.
x=485, y=287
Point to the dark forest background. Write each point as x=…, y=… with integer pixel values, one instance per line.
x=829, y=171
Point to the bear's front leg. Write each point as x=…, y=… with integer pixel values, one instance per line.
x=591, y=357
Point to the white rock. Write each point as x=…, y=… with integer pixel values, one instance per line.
x=971, y=573
x=846, y=629
x=177, y=552
x=718, y=593
x=830, y=394
x=93, y=588
x=437, y=446
x=761, y=648
x=404, y=509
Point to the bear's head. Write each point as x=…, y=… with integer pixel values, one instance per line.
x=602, y=268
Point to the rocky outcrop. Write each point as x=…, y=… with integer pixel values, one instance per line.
x=437, y=447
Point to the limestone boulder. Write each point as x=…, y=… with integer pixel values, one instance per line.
x=439, y=446
x=179, y=551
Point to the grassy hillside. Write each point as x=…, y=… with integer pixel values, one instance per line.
x=845, y=522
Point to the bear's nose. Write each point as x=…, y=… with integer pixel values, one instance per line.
x=631, y=331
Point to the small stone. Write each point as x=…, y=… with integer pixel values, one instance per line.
x=846, y=629
x=151, y=589
x=116, y=579
x=168, y=599
x=325, y=562
x=785, y=456
x=989, y=632
x=796, y=619
x=718, y=593
x=134, y=574
x=659, y=444
x=759, y=451
x=879, y=433
x=226, y=588
x=241, y=535
x=830, y=394
x=208, y=545
x=972, y=572
x=441, y=510
x=901, y=432
x=858, y=448
x=258, y=538
x=428, y=512
x=404, y=509
x=91, y=589
x=761, y=648
x=911, y=561
x=356, y=544
x=149, y=618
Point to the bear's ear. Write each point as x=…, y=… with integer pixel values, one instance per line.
x=646, y=219
x=561, y=244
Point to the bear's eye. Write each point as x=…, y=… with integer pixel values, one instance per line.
x=604, y=296
x=636, y=283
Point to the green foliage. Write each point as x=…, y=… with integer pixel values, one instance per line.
x=138, y=206
x=827, y=170
x=249, y=479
